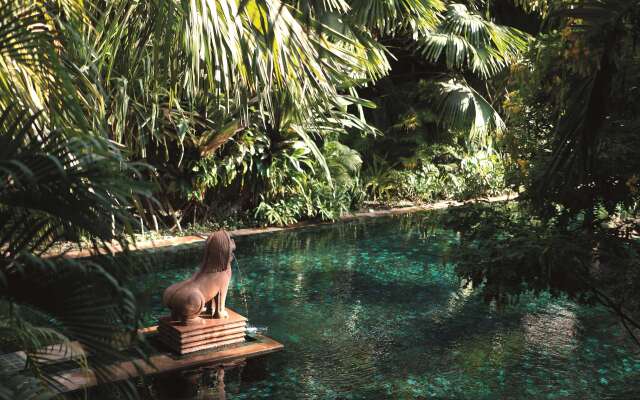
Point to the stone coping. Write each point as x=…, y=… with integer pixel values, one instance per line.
x=194, y=239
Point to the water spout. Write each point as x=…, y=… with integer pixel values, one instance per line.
x=243, y=292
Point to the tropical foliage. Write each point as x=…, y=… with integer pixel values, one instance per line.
x=61, y=181
x=572, y=148
x=58, y=187
x=233, y=113
x=204, y=105
x=507, y=252
x=123, y=115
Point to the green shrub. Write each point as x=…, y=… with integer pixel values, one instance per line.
x=471, y=175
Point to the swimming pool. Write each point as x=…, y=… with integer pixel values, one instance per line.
x=371, y=309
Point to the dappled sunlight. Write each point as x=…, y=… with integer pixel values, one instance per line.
x=365, y=313
x=553, y=330
x=317, y=133
x=458, y=299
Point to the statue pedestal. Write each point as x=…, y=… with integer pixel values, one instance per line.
x=209, y=333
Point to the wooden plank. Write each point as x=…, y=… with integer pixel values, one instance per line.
x=177, y=346
x=211, y=345
x=207, y=323
x=218, y=341
x=165, y=329
x=208, y=336
x=165, y=362
x=202, y=344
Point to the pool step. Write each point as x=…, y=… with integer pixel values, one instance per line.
x=211, y=333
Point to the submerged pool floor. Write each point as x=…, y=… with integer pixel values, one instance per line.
x=372, y=310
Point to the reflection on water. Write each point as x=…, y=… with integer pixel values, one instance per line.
x=458, y=298
x=370, y=310
x=197, y=384
x=553, y=330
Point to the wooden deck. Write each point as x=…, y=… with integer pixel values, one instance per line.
x=161, y=362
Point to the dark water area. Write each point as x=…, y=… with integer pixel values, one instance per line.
x=373, y=310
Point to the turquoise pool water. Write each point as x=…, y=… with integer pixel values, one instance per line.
x=372, y=310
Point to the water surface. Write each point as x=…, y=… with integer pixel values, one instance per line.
x=372, y=310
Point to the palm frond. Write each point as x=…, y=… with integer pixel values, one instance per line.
x=394, y=16
x=54, y=187
x=316, y=8
x=462, y=108
x=258, y=48
x=344, y=162
x=25, y=53
x=466, y=40
x=100, y=314
x=32, y=72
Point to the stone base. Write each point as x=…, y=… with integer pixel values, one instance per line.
x=209, y=333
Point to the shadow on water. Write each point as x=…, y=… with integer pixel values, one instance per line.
x=371, y=309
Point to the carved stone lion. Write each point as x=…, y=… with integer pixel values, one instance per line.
x=207, y=288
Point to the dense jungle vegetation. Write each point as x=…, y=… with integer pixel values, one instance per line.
x=121, y=115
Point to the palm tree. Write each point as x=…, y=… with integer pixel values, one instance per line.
x=165, y=79
x=468, y=43
x=77, y=77
x=73, y=189
x=60, y=181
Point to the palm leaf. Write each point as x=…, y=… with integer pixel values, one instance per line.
x=25, y=64
x=100, y=314
x=343, y=162
x=53, y=187
x=394, y=16
x=466, y=40
x=462, y=108
x=57, y=188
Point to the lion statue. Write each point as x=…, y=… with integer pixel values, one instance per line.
x=207, y=288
